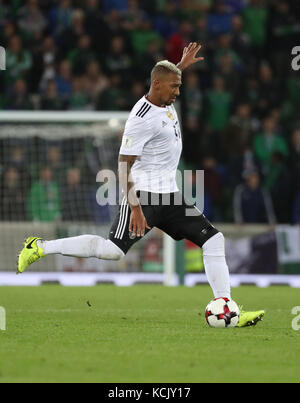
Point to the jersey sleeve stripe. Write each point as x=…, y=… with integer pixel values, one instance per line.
x=142, y=109
x=146, y=111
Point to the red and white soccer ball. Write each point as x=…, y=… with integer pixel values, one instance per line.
x=222, y=312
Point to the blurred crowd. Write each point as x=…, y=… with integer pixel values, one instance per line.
x=240, y=107
x=40, y=181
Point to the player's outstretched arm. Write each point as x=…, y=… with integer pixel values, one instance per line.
x=189, y=56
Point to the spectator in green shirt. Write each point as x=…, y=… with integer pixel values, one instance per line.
x=31, y=20
x=268, y=142
x=224, y=48
x=82, y=55
x=44, y=198
x=18, y=61
x=216, y=112
x=218, y=103
x=118, y=59
x=112, y=98
x=255, y=17
x=50, y=100
x=142, y=36
x=18, y=98
x=79, y=99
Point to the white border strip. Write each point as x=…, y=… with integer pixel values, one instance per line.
x=80, y=279
x=260, y=280
x=129, y=279
x=61, y=116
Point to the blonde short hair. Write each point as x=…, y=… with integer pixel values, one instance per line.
x=165, y=67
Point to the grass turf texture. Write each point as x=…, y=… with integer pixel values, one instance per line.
x=144, y=334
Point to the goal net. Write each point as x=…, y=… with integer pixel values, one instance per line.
x=49, y=167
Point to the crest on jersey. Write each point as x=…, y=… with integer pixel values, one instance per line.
x=170, y=115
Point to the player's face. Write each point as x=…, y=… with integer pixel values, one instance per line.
x=169, y=88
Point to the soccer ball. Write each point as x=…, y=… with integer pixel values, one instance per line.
x=222, y=312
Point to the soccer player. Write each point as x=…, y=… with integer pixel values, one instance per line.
x=148, y=161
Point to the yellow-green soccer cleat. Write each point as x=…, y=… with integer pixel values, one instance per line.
x=31, y=253
x=250, y=318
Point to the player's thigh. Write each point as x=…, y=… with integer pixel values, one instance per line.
x=187, y=222
x=119, y=232
x=197, y=229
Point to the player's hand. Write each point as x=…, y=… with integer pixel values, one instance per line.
x=138, y=223
x=189, y=55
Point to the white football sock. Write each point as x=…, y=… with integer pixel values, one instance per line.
x=216, y=267
x=83, y=246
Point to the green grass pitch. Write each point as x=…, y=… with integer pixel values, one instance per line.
x=145, y=333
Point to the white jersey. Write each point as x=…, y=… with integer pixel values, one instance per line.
x=153, y=134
